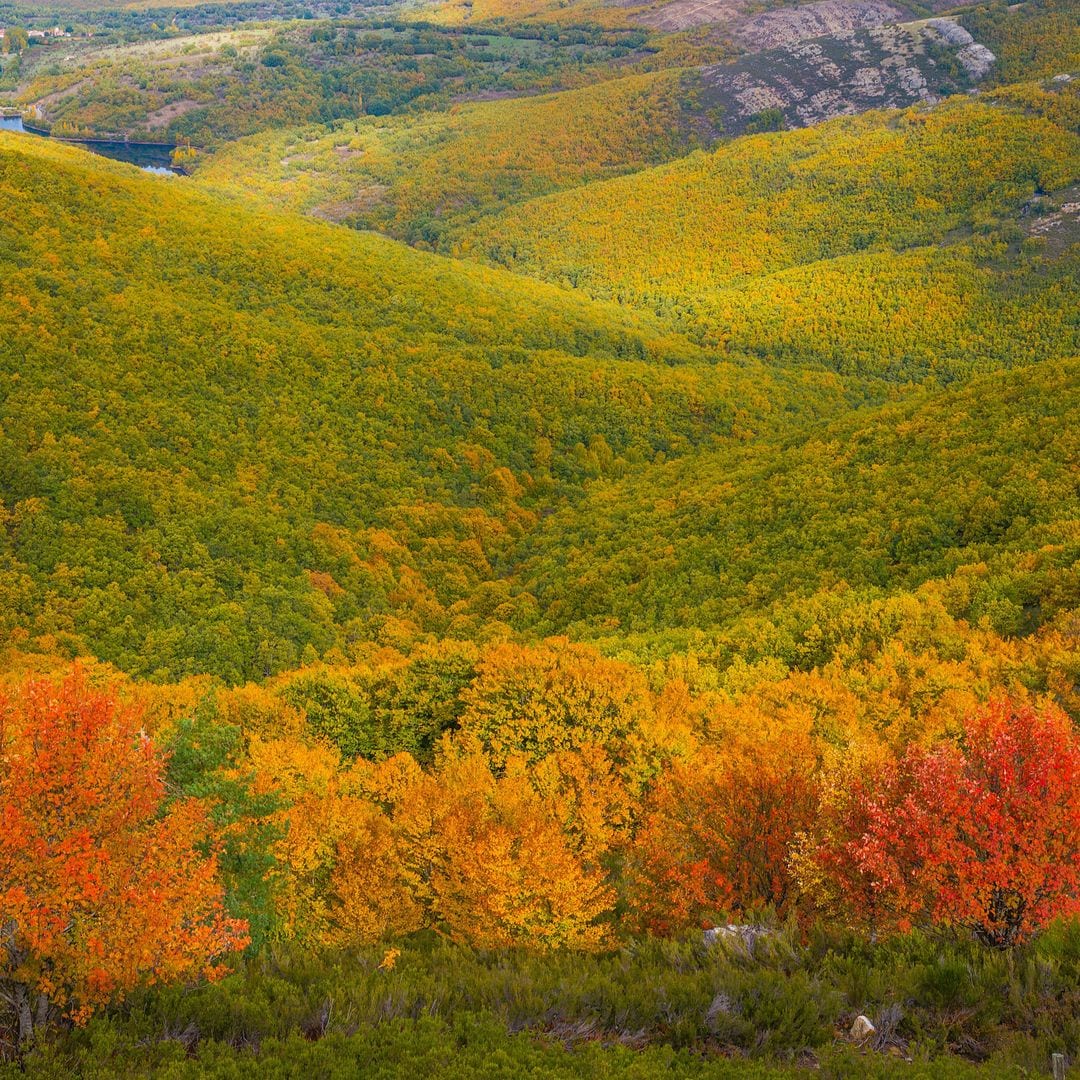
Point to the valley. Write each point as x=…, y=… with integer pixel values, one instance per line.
x=549, y=545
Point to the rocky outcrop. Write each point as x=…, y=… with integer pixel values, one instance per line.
x=976, y=59
x=1054, y=222
x=785, y=26
x=952, y=33
x=813, y=80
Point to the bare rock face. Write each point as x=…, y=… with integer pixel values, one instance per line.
x=785, y=26
x=812, y=80
x=977, y=60
x=952, y=33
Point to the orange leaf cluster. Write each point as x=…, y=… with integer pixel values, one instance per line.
x=100, y=888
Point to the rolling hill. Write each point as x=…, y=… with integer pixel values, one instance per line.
x=417, y=176
x=553, y=550
x=229, y=436
x=890, y=242
x=978, y=481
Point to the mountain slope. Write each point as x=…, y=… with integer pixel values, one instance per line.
x=705, y=240
x=228, y=438
x=416, y=176
x=980, y=476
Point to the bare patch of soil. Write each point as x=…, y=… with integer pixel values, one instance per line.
x=1058, y=228
x=686, y=14
x=164, y=116
x=365, y=199
x=43, y=103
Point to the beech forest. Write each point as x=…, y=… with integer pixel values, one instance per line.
x=540, y=539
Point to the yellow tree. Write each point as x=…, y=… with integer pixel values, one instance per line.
x=489, y=857
x=341, y=873
x=542, y=699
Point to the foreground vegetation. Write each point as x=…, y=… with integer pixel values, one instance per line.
x=568, y=805
x=676, y=1009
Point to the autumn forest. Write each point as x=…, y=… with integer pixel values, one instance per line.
x=540, y=538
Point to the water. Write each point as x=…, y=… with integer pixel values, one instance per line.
x=152, y=159
x=155, y=159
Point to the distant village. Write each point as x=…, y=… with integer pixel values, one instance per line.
x=54, y=33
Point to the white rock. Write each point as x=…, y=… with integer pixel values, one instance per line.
x=977, y=60
x=952, y=33
x=862, y=1028
x=746, y=934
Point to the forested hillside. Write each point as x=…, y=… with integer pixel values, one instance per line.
x=213, y=87
x=978, y=480
x=547, y=545
x=470, y=406
x=415, y=177
x=893, y=243
x=208, y=409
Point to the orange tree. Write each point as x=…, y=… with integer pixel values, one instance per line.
x=100, y=889
x=717, y=829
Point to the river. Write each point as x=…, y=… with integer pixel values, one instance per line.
x=154, y=159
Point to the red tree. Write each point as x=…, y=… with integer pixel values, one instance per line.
x=101, y=888
x=983, y=835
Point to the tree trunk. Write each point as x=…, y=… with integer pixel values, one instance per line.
x=32, y=1011
x=44, y=1008
x=25, y=1014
